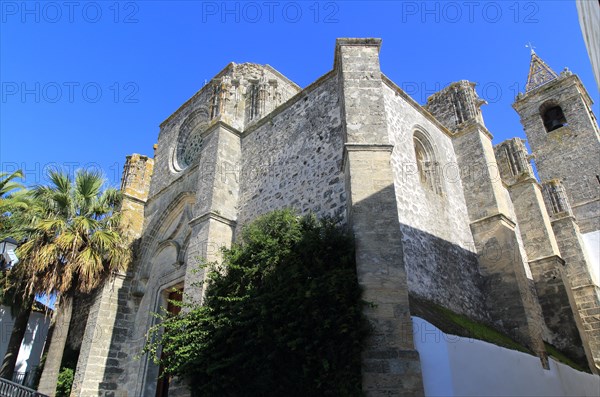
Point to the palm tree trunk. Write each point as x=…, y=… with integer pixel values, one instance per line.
x=16, y=338
x=57, y=347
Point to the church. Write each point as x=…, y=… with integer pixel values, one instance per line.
x=441, y=217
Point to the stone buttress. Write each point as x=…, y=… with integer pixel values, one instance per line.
x=391, y=364
x=546, y=264
x=103, y=355
x=509, y=289
x=586, y=294
x=564, y=137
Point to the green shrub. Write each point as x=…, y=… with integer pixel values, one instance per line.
x=65, y=381
x=282, y=316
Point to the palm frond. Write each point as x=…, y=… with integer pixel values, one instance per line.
x=88, y=185
x=75, y=237
x=60, y=181
x=90, y=269
x=112, y=198
x=7, y=182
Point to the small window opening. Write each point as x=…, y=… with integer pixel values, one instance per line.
x=426, y=165
x=215, y=102
x=254, y=101
x=554, y=118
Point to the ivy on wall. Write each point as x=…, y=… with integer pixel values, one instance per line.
x=282, y=315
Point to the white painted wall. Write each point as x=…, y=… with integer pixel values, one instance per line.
x=33, y=341
x=457, y=366
x=591, y=242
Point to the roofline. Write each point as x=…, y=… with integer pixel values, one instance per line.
x=280, y=75
x=556, y=82
x=416, y=105
x=301, y=94
x=230, y=65
x=197, y=94
x=449, y=86
x=535, y=57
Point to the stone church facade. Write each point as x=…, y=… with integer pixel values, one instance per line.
x=438, y=213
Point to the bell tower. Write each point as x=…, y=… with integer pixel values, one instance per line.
x=562, y=131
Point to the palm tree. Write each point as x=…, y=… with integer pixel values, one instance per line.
x=7, y=184
x=21, y=210
x=11, y=207
x=74, y=242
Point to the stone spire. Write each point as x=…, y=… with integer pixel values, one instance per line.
x=539, y=73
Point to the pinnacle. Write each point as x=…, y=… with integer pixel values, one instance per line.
x=539, y=73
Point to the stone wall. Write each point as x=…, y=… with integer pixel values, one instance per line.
x=509, y=290
x=390, y=364
x=104, y=359
x=160, y=265
x=427, y=221
x=135, y=184
x=235, y=85
x=456, y=104
x=585, y=294
x=547, y=266
x=439, y=251
x=294, y=159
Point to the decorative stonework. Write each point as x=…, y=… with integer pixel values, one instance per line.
x=191, y=148
x=419, y=187
x=513, y=161
x=555, y=197
x=190, y=138
x=539, y=73
x=456, y=104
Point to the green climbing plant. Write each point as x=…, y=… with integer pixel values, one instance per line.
x=282, y=315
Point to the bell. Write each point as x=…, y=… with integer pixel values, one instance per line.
x=554, y=124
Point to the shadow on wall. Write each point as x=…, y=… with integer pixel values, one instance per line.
x=115, y=373
x=449, y=275
x=444, y=272
x=33, y=351
x=437, y=270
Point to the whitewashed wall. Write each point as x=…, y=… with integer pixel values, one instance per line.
x=33, y=341
x=592, y=245
x=457, y=366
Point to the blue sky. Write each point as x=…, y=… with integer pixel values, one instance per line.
x=86, y=83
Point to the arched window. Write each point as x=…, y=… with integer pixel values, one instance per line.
x=422, y=161
x=427, y=166
x=553, y=117
x=189, y=141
